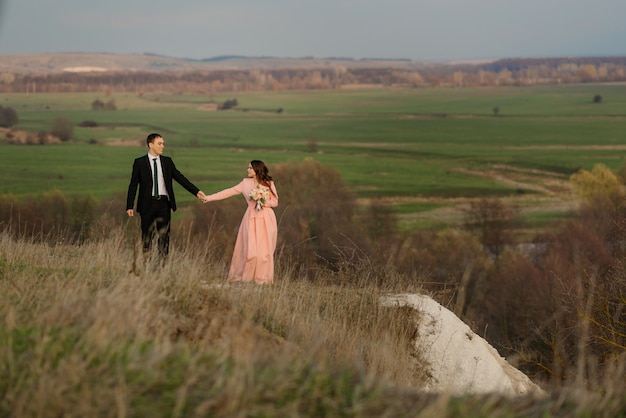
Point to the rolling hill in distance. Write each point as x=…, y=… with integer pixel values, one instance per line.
x=45, y=69
x=94, y=62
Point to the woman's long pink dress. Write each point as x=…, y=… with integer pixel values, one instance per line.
x=253, y=257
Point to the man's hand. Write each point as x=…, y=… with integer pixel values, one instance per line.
x=130, y=212
x=201, y=195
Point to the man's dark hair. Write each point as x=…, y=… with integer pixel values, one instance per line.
x=152, y=137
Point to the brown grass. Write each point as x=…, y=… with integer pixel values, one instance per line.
x=79, y=326
x=84, y=336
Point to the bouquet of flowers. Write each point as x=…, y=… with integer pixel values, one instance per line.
x=259, y=195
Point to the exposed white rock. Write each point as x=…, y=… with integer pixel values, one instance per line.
x=84, y=69
x=461, y=362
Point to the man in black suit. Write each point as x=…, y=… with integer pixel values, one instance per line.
x=153, y=173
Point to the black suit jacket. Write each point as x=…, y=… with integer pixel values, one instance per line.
x=142, y=177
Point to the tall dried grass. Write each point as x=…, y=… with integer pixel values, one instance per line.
x=85, y=334
x=89, y=330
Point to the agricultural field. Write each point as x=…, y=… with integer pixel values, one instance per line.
x=424, y=152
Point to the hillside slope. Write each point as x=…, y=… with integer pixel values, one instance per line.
x=79, y=62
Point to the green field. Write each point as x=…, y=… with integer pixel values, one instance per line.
x=420, y=149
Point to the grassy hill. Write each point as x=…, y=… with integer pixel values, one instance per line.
x=81, y=62
x=82, y=336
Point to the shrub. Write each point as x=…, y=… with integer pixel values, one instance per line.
x=600, y=181
x=380, y=222
x=312, y=145
x=100, y=105
x=97, y=105
x=228, y=104
x=88, y=124
x=455, y=261
x=62, y=128
x=110, y=105
x=493, y=220
x=8, y=117
x=316, y=213
x=512, y=301
x=49, y=216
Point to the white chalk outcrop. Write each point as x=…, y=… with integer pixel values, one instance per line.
x=461, y=362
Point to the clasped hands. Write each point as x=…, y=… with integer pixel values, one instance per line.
x=202, y=196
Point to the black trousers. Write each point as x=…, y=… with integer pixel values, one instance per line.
x=155, y=225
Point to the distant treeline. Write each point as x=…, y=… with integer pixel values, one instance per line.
x=506, y=72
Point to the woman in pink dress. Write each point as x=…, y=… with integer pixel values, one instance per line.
x=253, y=257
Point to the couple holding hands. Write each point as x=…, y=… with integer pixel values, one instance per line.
x=253, y=256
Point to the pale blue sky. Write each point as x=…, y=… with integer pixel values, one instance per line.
x=430, y=30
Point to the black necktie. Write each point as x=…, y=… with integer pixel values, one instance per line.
x=156, y=180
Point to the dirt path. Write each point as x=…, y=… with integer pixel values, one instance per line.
x=553, y=194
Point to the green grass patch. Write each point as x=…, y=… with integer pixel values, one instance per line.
x=384, y=142
x=416, y=207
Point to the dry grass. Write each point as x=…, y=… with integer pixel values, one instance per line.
x=84, y=336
